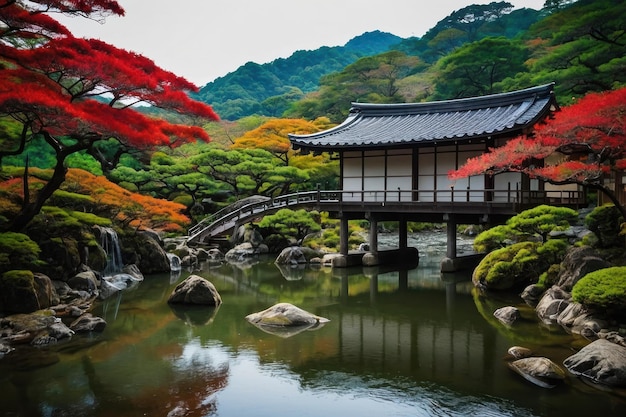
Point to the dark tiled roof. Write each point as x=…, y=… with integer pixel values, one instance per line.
x=409, y=124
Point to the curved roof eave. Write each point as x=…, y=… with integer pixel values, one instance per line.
x=418, y=124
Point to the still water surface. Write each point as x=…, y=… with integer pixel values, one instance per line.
x=399, y=343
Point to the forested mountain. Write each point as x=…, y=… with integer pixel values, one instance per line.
x=578, y=45
x=267, y=89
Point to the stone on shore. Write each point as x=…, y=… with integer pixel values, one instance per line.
x=88, y=323
x=36, y=329
x=601, y=362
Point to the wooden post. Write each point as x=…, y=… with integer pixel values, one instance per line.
x=373, y=235
x=402, y=234
x=451, y=241
x=343, y=236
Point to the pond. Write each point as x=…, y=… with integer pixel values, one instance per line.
x=399, y=343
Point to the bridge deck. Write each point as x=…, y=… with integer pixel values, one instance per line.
x=467, y=206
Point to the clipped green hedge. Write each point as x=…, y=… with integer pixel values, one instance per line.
x=603, y=290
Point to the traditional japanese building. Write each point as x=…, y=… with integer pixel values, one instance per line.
x=395, y=159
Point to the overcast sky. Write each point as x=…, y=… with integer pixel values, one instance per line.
x=205, y=39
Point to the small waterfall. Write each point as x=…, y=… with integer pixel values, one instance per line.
x=110, y=243
x=175, y=264
x=176, y=267
x=114, y=278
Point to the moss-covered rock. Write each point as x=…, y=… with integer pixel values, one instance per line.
x=603, y=290
x=17, y=251
x=17, y=292
x=144, y=251
x=517, y=265
x=62, y=257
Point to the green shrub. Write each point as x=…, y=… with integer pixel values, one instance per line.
x=331, y=240
x=184, y=199
x=543, y=219
x=603, y=290
x=553, y=251
x=532, y=224
x=494, y=238
x=604, y=222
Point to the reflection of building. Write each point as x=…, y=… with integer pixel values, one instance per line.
x=395, y=159
x=413, y=335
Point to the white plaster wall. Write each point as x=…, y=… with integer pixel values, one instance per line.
x=502, y=182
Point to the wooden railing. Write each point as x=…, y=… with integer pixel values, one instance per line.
x=227, y=218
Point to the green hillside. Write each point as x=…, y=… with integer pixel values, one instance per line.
x=267, y=89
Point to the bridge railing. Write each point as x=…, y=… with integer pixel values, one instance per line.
x=452, y=195
x=228, y=217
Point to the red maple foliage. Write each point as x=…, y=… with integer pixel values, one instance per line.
x=587, y=142
x=76, y=92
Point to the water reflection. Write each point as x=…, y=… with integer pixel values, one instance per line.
x=399, y=342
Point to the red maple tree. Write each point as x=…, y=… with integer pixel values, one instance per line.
x=76, y=92
x=585, y=141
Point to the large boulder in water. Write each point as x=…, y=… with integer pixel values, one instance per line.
x=601, y=362
x=538, y=370
x=285, y=320
x=244, y=253
x=291, y=255
x=195, y=290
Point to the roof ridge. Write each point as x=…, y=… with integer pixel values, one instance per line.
x=469, y=103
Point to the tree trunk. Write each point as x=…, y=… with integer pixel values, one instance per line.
x=31, y=209
x=612, y=196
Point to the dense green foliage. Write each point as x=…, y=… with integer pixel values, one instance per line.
x=580, y=47
x=370, y=79
x=469, y=24
x=476, y=68
x=603, y=290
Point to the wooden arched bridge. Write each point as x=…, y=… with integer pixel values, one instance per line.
x=227, y=219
